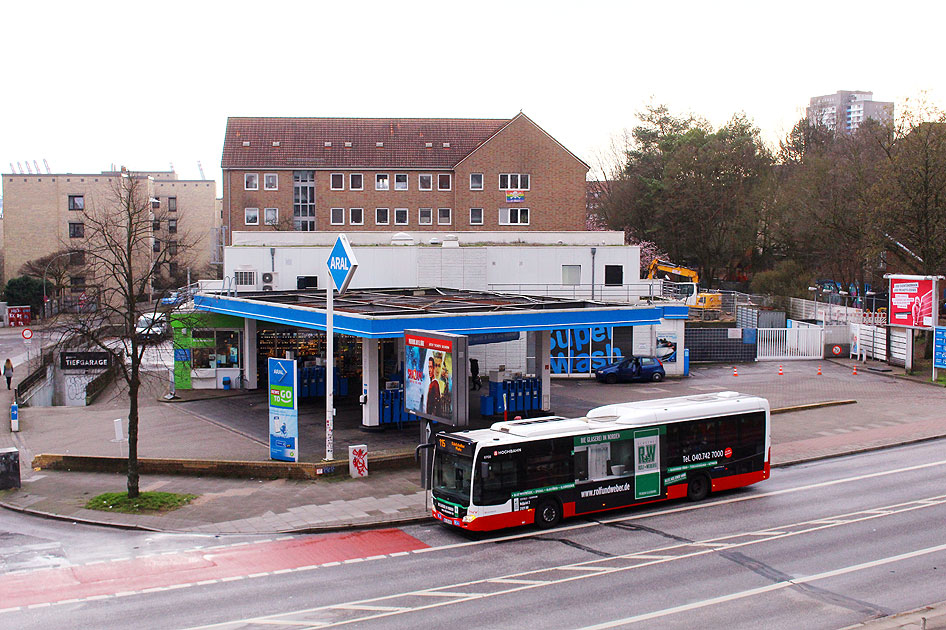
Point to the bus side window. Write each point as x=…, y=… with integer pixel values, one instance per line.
x=751, y=431
x=581, y=464
x=499, y=479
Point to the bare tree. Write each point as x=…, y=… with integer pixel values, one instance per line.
x=128, y=270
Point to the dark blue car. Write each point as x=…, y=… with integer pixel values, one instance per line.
x=632, y=369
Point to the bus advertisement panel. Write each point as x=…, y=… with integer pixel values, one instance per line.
x=436, y=376
x=541, y=470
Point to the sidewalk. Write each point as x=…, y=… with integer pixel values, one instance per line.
x=235, y=428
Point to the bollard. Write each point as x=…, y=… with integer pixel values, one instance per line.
x=14, y=417
x=118, y=431
x=358, y=460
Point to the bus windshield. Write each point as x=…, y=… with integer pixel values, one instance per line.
x=452, y=475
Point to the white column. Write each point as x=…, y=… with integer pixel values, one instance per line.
x=370, y=412
x=543, y=358
x=250, y=377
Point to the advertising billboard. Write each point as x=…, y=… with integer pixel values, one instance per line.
x=436, y=375
x=283, y=410
x=912, y=301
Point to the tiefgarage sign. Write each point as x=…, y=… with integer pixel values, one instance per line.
x=341, y=263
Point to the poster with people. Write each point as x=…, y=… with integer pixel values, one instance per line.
x=430, y=381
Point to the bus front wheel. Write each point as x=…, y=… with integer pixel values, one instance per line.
x=548, y=514
x=698, y=487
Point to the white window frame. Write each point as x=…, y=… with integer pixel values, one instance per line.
x=405, y=182
x=440, y=220
x=387, y=216
x=351, y=182
x=449, y=177
x=480, y=222
x=247, y=178
x=407, y=216
x=378, y=178
x=571, y=270
x=244, y=278
x=351, y=216
x=275, y=220
x=420, y=185
x=420, y=216
x=331, y=216
x=331, y=181
x=246, y=216
x=275, y=185
x=482, y=180
x=518, y=185
x=505, y=215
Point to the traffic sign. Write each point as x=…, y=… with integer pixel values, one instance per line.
x=27, y=334
x=939, y=347
x=341, y=263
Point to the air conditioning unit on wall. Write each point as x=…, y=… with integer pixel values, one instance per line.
x=269, y=279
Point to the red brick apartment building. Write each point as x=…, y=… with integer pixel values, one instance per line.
x=394, y=174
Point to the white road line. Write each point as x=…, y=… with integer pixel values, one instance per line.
x=766, y=589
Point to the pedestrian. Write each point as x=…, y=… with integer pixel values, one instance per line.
x=475, y=373
x=8, y=371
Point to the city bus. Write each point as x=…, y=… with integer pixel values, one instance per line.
x=541, y=470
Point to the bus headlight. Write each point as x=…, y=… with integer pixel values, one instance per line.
x=469, y=518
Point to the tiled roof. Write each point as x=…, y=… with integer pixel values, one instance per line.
x=303, y=142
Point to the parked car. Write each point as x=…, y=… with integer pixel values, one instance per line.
x=632, y=369
x=152, y=327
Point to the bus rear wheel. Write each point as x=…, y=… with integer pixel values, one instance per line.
x=698, y=487
x=548, y=514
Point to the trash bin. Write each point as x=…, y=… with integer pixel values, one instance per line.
x=9, y=468
x=226, y=382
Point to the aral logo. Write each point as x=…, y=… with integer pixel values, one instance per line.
x=280, y=396
x=646, y=453
x=337, y=262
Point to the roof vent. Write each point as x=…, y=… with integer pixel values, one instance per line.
x=246, y=143
x=328, y=143
x=402, y=238
x=428, y=144
x=275, y=143
x=348, y=144
x=446, y=145
x=379, y=144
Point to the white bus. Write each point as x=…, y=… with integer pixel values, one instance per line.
x=541, y=470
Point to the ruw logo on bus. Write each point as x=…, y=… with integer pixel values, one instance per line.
x=647, y=454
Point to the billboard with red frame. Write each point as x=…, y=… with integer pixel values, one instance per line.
x=912, y=301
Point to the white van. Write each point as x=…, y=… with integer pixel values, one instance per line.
x=152, y=326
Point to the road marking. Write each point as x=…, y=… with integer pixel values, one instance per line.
x=767, y=589
x=521, y=581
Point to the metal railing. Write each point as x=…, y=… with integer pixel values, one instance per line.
x=634, y=292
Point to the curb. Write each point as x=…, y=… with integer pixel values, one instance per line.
x=805, y=407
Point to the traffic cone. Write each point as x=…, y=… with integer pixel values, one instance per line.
x=819, y=370
x=780, y=372
x=855, y=371
x=734, y=372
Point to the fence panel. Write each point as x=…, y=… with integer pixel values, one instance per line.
x=897, y=352
x=787, y=344
x=871, y=341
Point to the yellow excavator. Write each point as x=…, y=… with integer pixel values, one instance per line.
x=688, y=282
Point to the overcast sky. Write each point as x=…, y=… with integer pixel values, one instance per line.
x=88, y=84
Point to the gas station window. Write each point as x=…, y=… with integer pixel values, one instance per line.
x=215, y=349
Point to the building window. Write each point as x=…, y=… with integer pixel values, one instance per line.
x=514, y=216
x=172, y=268
x=381, y=181
x=425, y=216
x=77, y=284
x=156, y=225
x=245, y=278
x=443, y=181
x=270, y=181
x=172, y=226
x=425, y=182
x=357, y=216
x=400, y=181
x=250, y=216
x=270, y=216
x=303, y=201
x=77, y=257
x=76, y=230
x=400, y=216
x=172, y=248
x=381, y=216
x=156, y=246
x=251, y=181
x=77, y=202
x=356, y=181
x=476, y=216
x=338, y=216
x=614, y=275
x=172, y=204
x=514, y=181
x=444, y=216
x=338, y=181
x=476, y=181
x=571, y=275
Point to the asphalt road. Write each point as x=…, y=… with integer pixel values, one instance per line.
x=822, y=545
